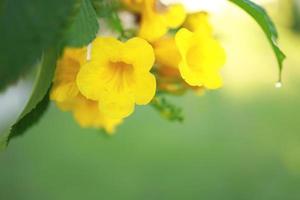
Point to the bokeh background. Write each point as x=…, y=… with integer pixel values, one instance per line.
x=241, y=142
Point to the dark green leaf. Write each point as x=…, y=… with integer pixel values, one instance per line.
x=85, y=26
x=40, y=88
x=262, y=18
x=27, y=28
x=30, y=119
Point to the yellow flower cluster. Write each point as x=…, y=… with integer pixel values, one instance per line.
x=66, y=94
x=104, y=90
x=194, y=52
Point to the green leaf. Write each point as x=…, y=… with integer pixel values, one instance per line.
x=30, y=119
x=85, y=26
x=27, y=28
x=265, y=22
x=115, y=23
x=104, y=8
x=108, y=10
x=30, y=27
x=41, y=86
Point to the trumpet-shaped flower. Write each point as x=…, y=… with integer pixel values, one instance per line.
x=64, y=83
x=168, y=75
x=118, y=75
x=68, y=98
x=157, y=19
x=201, y=58
x=87, y=114
x=198, y=21
x=166, y=52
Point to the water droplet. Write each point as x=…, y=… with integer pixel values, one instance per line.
x=278, y=84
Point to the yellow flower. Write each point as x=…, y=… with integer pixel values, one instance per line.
x=118, y=75
x=157, y=19
x=168, y=75
x=64, y=83
x=134, y=5
x=201, y=58
x=165, y=48
x=68, y=98
x=167, y=59
x=198, y=22
x=166, y=52
x=195, y=52
x=87, y=114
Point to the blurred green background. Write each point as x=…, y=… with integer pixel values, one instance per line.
x=241, y=142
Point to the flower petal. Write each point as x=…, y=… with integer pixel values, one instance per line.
x=106, y=47
x=63, y=92
x=201, y=58
x=64, y=83
x=117, y=105
x=199, y=22
x=193, y=78
x=87, y=114
x=139, y=53
x=89, y=79
x=145, y=88
x=183, y=39
x=152, y=27
x=156, y=22
x=175, y=15
x=166, y=52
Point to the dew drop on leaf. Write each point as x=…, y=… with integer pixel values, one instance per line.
x=278, y=84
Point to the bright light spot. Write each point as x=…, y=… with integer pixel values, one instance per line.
x=278, y=84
